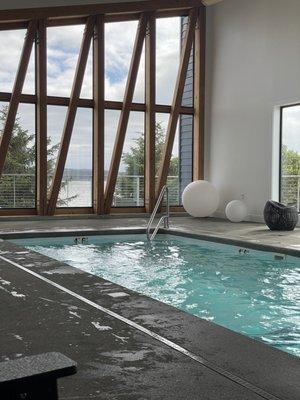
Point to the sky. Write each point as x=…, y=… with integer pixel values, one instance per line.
x=291, y=128
x=62, y=54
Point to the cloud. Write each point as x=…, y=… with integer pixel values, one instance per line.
x=11, y=43
x=291, y=128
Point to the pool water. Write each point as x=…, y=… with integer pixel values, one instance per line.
x=252, y=292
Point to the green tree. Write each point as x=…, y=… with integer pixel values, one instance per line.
x=291, y=171
x=134, y=161
x=17, y=185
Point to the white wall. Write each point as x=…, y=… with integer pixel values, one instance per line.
x=253, y=64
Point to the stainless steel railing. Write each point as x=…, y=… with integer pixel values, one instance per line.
x=165, y=218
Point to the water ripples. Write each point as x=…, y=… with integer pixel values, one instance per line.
x=251, y=293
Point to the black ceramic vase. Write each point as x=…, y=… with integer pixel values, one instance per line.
x=279, y=217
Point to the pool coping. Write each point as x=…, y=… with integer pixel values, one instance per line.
x=171, y=231
x=263, y=366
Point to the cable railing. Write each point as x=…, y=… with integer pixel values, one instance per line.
x=290, y=190
x=18, y=191
x=164, y=193
x=129, y=191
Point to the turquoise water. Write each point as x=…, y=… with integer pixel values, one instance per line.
x=249, y=291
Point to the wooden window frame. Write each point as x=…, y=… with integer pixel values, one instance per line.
x=147, y=13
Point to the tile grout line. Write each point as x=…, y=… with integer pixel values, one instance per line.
x=213, y=367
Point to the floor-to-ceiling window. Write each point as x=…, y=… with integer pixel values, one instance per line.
x=290, y=156
x=80, y=99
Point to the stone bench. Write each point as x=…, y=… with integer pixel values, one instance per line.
x=34, y=377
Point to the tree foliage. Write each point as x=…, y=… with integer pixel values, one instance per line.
x=134, y=160
x=290, y=161
x=290, y=165
x=17, y=185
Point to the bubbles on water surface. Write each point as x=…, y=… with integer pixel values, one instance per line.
x=252, y=293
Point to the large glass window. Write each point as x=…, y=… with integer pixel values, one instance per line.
x=76, y=186
x=173, y=173
x=168, y=43
x=129, y=191
x=111, y=125
x=180, y=170
x=119, y=41
x=11, y=45
x=187, y=98
x=17, y=183
x=63, y=46
x=290, y=156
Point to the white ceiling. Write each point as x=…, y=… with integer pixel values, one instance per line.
x=210, y=2
x=15, y=4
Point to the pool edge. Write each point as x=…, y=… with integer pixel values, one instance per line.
x=142, y=230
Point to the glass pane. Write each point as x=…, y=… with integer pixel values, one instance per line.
x=185, y=152
x=129, y=190
x=87, y=84
x=187, y=98
x=63, y=46
x=11, y=43
x=168, y=33
x=290, y=156
x=119, y=41
x=76, y=188
x=17, y=184
x=180, y=171
x=55, y=122
x=139, y=92
x=29, y=83
x=111, y=125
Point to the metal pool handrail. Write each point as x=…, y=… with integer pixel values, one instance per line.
x=165, y=218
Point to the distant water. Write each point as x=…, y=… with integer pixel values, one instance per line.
x=79, y=193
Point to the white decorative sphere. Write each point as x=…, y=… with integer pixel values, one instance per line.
x=200, y=199
x=236, y=211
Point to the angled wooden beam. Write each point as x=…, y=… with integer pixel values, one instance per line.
x=16, y=93
x=71, y=114
x=98, y=116
x=124, y=116
x=150, y=65
x=41, y=118
x=176, y=102
x=199, y=95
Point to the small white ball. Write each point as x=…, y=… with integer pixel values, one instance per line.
x=236, y=211
x=200, y=199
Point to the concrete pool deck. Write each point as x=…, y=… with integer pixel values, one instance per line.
x=49, y=306
x=246, y=233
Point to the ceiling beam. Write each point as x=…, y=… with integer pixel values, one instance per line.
x=94, y=9
x=210, y=2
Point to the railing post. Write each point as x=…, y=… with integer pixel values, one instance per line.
x=138, y=191
x=14, y=189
